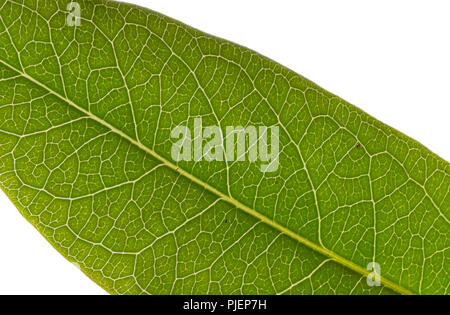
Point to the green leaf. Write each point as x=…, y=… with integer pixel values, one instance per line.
x=86, y=115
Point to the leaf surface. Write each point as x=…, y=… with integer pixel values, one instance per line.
x=86, y=114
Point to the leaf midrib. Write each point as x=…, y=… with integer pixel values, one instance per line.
x=322, y=250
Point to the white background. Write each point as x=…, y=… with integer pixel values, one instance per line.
x=390, y=58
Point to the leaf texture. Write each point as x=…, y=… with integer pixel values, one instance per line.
x=86, y=114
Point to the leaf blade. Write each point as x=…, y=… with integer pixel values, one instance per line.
x=312, y=94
